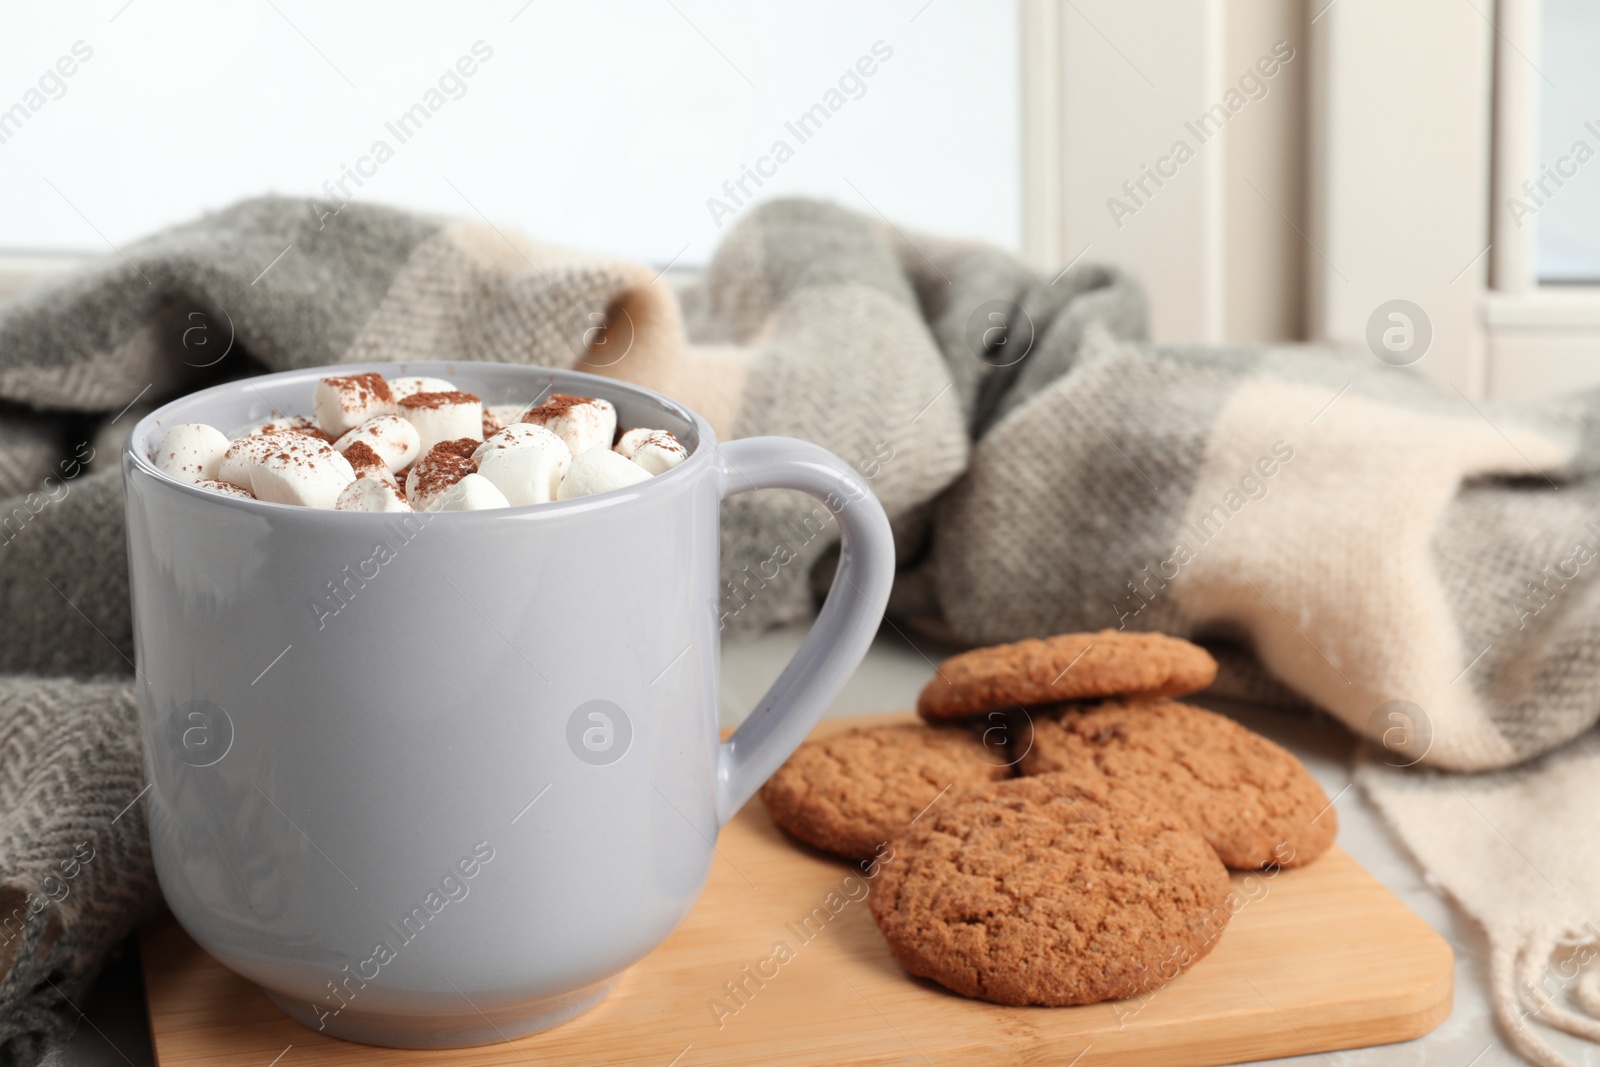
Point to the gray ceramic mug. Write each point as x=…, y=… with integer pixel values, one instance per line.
x=435, y=780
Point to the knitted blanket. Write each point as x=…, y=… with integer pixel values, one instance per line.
x=1344, y=534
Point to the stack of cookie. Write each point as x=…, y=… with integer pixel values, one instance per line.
x=1058, y=832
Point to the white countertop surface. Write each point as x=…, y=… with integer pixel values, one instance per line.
x=888, y=680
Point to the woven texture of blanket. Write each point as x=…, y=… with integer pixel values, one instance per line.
x=1350, y=536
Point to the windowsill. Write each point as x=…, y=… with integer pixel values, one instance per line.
x=20, y=271
x=1541, y=342
x=1546, y=306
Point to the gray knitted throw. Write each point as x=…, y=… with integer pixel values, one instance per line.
x=1348, y=536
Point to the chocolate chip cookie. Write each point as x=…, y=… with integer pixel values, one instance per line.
x=1051, y=890
x=1065, y=667
x=849, y=792
x=1254, y=802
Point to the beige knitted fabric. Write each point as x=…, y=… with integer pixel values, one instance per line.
x=1516, y=849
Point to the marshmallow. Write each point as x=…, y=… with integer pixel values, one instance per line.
x=279, y=424
x=630, y=440
x=445, y=464
x=524, y=462
x=400, y=388
x=344, y=403
x=582, y=422
x=517, y=435
x=599, y=470
x=225, y=488
x=390, y=436
x=472, y=493
x=366, y=462
x=244, y=454
x=369, y=493
x=453, y=453
x=299, y=470
x=443, y=416
x=657, y=452
x=191, y=452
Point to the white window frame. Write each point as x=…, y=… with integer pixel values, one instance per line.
x=1460, y=78
x=1400, y=171
x=1418, y=115
x=1108, y=88
x=1540, y=338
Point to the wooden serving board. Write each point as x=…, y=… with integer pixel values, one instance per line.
x=1319, y=958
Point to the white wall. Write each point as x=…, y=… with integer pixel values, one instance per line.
x=607, y=126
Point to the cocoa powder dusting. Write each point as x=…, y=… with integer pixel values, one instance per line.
x=461, y=446
x=362, y=457
x=290, y=446
x=437, y=400
x=558, y=404
x=441, y=470
x=362, y=388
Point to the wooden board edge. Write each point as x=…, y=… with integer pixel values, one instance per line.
x=1423, y=1009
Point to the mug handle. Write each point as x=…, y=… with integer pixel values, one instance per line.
x=843, y=630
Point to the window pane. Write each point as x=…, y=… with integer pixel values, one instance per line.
x=1564, y=196
x=640, y=129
